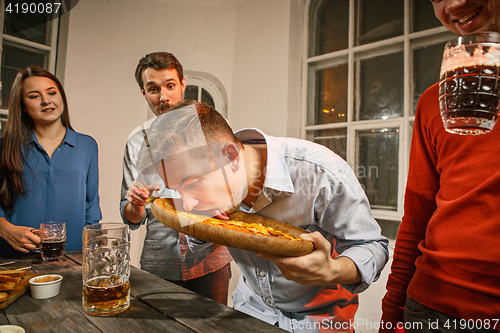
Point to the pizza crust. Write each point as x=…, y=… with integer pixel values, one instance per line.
x=164, y=211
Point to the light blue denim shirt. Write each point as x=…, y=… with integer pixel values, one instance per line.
x=308, y=186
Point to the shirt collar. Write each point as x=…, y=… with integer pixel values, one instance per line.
x=277, y=174
x=69, y=138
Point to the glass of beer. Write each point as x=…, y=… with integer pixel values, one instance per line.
x=106, y=268
x=469, y=90
x=52, y=240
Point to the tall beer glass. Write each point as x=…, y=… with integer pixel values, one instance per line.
x=106, y=268
x=469, y=90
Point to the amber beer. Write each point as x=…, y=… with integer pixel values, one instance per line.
x=469, y=89
x=105, y=298
x=106, y=268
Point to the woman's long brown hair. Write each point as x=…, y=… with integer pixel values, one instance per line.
x=17, y=134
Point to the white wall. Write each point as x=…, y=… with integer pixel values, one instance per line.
x=261, y=75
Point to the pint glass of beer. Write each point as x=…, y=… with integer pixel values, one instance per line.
x=106, y=268
x=469, y=90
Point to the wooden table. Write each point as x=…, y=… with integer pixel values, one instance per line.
x=156, y=306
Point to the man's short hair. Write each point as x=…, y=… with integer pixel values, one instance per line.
x=158, y=60
x=187, y=126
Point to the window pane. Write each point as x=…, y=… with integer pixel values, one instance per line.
x=426, y=67
x=381, y=87
x=330, y=99
x=423, y=16
x=14, y=58
x=377, y=166
x=207, y=98
x=328, y=26
x=34, y=27
x=333, y=138
x=377, y=20
x=389, y=228
x=191, y=92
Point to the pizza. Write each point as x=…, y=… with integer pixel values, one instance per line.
x=255, y=228
x=244, y=231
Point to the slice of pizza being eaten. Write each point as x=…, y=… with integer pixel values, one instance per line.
x=243, y=231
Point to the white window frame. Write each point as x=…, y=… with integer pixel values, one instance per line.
x=52, y=49
x=406, y=43
x=212, y=86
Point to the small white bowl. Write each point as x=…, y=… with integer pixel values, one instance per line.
x=11, y=329
x=45, y=286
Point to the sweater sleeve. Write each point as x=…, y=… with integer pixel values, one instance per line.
x=419, y=206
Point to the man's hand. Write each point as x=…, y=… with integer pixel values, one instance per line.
x=317, y=267
x=20, y=238
x=137, y=194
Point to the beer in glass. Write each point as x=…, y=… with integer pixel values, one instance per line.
x=106, y=268
x=52, y=240
x=469, y=90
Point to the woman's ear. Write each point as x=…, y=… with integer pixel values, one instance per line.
x=232, y=151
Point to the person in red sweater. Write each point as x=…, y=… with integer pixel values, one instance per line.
x=445, y=275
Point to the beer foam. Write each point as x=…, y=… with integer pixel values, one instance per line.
x=458, y=57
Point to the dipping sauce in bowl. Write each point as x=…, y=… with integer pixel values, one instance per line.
x=45, y=286
x=46, y=278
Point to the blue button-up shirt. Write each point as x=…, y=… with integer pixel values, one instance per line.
x=308, y=186
x=62, y=188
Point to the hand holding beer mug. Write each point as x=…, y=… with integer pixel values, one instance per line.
x=52, y=240
x=469, y=89
x=106, y=268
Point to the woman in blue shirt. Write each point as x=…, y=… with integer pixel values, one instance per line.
x=48, y=172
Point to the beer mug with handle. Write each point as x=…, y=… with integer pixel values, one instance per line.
x=52, y=240
x=469, y=89
x=106, y=268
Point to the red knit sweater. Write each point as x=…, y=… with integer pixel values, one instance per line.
x=447, y=253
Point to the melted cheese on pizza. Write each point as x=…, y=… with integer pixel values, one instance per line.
x=255, y=228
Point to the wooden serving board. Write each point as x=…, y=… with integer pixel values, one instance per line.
x=18, y=291
x=238, y=239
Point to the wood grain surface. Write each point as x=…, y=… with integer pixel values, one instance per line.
x=156, y=305
x=238, y=239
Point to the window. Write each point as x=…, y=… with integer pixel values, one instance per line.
x=205, y=88
x=27, y=39
x=367, y=63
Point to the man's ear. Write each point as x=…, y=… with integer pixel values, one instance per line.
x=143, y=93
x=183, y=84
x=232, y=152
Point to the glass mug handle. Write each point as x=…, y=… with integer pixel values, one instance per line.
x=36, y=232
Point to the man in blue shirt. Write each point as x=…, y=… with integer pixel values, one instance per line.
x=298, y=182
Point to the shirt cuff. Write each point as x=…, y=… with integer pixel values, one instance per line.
x=366, y=262
x=132, y=226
